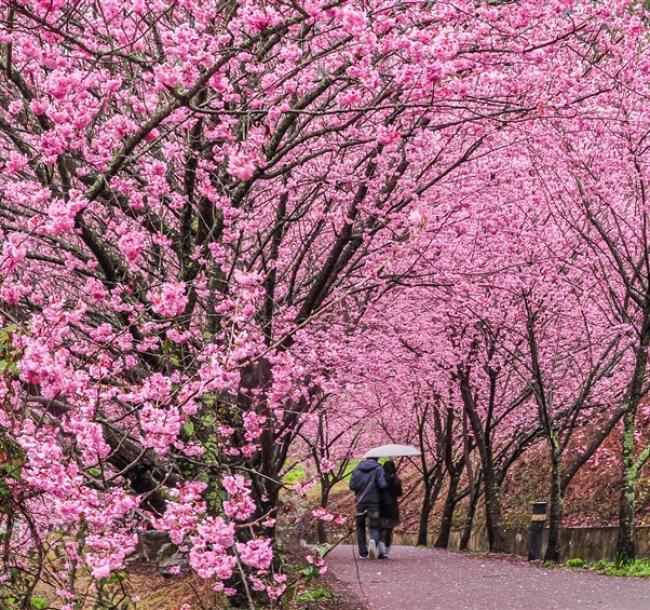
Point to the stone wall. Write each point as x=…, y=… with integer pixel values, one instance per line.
x=588, y=543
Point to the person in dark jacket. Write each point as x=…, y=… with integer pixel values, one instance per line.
x=388, y=508
x=367, y=481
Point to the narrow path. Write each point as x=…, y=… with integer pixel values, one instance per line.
x=430, y=579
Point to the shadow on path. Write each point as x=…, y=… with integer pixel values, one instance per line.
x=430, y=579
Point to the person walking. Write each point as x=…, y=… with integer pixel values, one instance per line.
x=388, y=508
x=367, y=481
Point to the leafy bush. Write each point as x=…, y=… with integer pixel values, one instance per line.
x=576, y=562
x=639, y=568
x=319, y=592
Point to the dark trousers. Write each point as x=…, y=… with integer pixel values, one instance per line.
x=369, y=514
x=386, y=536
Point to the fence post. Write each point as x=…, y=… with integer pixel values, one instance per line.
x=537, y=519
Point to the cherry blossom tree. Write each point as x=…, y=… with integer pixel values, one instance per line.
x=200, y=202
x=332, y=442
x=603, y=203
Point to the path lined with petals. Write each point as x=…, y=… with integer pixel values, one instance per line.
x=428, y=579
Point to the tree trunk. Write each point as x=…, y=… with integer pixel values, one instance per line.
x=555, y=511
x=492, y=484
x=320, y=527
x=322, y=532
x=431, y=491
x=425, y=511
x=442, y=541
x=626, y=529
x=496, y=541
x=469, y=519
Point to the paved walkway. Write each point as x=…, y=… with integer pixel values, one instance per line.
x=430, y=579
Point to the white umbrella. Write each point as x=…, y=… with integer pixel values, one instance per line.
x=391, y=451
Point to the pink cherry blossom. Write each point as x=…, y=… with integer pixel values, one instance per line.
x=170, y=300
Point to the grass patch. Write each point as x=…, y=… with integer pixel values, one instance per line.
x=314, y=594
x=295, y=474
x=342, y=485
x=638, y=568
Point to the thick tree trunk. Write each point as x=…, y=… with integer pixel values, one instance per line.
x=425, y=511
x=431, y=491
x=442, y=541
x=496, y=541
x=469, y=519
x=555, y=512
x=627, y=505
x=492, y=484
x=626, y=529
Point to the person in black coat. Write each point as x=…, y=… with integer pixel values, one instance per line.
x=367, y=482
x=388, y=508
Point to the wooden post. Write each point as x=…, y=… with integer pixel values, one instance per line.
x=537, y=519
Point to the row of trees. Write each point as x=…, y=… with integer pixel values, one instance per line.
x=533, y=327
x=217, y=218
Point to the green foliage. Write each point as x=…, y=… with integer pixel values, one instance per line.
x=202, y=429
x=16, y=591
x=9, y=355
x=314, y=594
x=639, y=568
x=352, y=464
x=575, y=562
x=294, y=475
x=11, y=602
x=342, y=485
x=12, y=459
x=170, y=353
x=310, y=572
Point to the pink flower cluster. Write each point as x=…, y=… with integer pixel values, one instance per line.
x=240, y=505
x=160, y=427
x=182, y=515
x=213, y=549
x=256, y=553
x=319, y=562
x=240, y=166
x=209, y=552
x=170, y=300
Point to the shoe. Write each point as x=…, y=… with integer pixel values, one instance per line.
x=382, y=550
x=363, y=556
x=372, y=549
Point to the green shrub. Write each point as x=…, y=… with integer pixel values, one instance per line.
x=636, y=567
x=576, y=562
x=639, y=568
x=319, y=592
x=601, y=564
